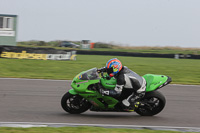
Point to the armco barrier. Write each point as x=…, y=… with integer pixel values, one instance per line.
x=36, y=53
x=1, y=49
x=113, y=53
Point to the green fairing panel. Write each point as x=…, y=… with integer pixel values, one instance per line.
x=108, y=84
x=95, y=99
x=154, y=81
x=73, y=92
x=82, y=85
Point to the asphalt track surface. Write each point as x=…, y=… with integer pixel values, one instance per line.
x=27, y=100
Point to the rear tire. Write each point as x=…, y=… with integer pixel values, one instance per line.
x=154, y=102
x=74, y=104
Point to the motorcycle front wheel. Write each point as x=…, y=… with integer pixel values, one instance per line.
x=152, y=104
x=74, y=104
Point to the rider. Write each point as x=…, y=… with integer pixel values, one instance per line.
x=126, y=79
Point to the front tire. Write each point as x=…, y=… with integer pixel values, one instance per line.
x=74, y=104
x=152, y=104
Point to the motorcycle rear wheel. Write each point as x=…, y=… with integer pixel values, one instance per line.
x=74, y=104
x=153, y=103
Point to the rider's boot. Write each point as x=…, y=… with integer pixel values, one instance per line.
x=132, y=102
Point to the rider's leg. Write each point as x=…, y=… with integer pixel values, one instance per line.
x=132, y=101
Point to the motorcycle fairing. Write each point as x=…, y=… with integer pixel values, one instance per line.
x=96, y=99
x=155, y=82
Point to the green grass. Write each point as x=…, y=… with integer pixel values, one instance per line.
x=182, y=71
x=77, y=130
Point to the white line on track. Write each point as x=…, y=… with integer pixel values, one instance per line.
x=34, y=79
x=71, y=80
x=39, y=124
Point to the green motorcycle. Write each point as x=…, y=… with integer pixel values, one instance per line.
x=85, y=94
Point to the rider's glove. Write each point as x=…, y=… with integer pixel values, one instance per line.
x=103, y=69
x=99, y=70
x=108, y=77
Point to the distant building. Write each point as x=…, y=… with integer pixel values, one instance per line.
x=8, y=29
x=85, y=44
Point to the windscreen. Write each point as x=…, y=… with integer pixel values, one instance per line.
x=89, y=75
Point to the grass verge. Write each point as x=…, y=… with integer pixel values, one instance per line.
x=182, y=71
x=77, y=130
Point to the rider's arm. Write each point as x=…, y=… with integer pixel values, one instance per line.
x=118, y=88
x=114, y=93
x=107, y=92
x=120, y=84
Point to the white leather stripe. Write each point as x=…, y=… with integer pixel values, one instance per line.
x=128, y=82
x=118, y=88
x=143, y=87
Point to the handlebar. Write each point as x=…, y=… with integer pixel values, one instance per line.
x=102, y=70
x=102, y=75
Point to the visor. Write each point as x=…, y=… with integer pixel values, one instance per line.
x=109, y=70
